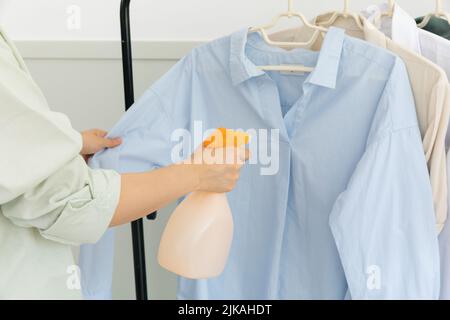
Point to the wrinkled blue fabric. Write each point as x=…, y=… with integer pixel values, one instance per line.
x=350, y=210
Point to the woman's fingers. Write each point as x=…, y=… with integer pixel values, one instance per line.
x=106, y=142
x=244, y=155
x=95, y=141
x=219, y=168
x=111, y=143
x=248, y=154
x=99, y=132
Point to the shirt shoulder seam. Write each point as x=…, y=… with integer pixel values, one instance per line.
x=391, y=133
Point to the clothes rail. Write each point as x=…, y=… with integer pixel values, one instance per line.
x=137, y=227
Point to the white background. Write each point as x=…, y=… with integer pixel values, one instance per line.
x=167, y=19
x=89, y=88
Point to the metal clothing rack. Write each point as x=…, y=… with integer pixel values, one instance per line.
x=137, y=227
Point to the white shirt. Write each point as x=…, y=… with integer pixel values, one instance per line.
x=403, y=29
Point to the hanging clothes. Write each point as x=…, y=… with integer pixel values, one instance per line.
x=444, y=249
x=404, y=30
x=431, y=94
x=49, y=198
x=437, y=25
x=435, y=49
x=351, y=194
x=96, y=263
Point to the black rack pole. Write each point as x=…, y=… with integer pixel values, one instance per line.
x=137, y=227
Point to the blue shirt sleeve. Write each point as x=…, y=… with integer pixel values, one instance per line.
x=384, y=223
x=145, y=131
x=147, y=128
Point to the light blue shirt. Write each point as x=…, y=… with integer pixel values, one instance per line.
x=96, y=262
x=350, y=210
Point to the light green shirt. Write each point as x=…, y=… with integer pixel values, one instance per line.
x=49, y=198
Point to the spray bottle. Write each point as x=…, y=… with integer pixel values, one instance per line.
x=197, y=239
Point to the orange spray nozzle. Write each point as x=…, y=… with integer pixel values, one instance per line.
x=223, y=137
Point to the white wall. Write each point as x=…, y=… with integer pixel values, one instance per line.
x=83, y=78
x=165, y=19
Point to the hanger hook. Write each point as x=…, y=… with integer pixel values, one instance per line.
x=391, y=5
x=346, y=5
x=438, y=6
x=290, y=11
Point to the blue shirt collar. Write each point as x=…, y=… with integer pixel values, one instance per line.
x=325, y=72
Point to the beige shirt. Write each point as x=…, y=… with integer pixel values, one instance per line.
x=431, y=93
x=49, y=198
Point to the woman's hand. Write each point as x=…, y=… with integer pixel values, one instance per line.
x=94, y=141
x=146, y=192
x=218, y=170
